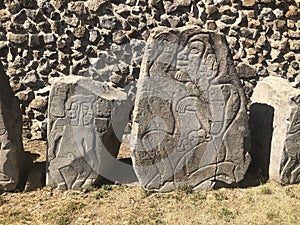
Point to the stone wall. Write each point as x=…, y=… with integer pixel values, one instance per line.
x=105, y=39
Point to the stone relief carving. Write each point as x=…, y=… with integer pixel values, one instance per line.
x=190, y=123
x=14, y=164
x=78, y=126
x=290, y=165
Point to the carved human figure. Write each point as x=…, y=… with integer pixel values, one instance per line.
x=185, y=85
x=74, y=143
x=290, y=168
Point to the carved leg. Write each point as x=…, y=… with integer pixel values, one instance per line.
x=56, y=180
x=295, y=175
x=84, y=173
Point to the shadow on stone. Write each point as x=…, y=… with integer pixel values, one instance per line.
x=126, y=176
x=37, y=177
x=261, y=125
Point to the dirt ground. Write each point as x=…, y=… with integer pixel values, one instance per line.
x=269, y=203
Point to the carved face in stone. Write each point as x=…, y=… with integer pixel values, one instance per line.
x=73, y=110
x=81, y=110
x=190, y=60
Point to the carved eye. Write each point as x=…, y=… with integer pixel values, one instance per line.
x=85, y=108
x=211, y=58
x=195, y=51
x=196, y=47
x=74, y=107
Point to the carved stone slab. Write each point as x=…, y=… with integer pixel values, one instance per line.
x=277, y=93
x=12, y=157
x=79, y=131
x=190, y=125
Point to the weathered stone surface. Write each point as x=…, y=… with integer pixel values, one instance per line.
x=79, y=131
x=77, y=30
x=189, y=122
x=246, y=71
x=17, y=38
x=95, y=5
x=278, y=95
x=248, y=2
x=108, y=22
x=12, y=157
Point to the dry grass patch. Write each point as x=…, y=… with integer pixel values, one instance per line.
x=267, y=204
x=270, y=203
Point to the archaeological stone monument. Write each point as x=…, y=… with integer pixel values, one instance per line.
x=190, y=126
x=13, y=161
x=81, y=139
x=284, y=137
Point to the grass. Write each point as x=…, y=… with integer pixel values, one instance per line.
x=225, y=212
x=106, y=187
x=2, y=200
x=220, y=196
x=186, y=189
x=65, y=214
x=290, y=192
x=266, y=190
x=128, y=204
x=267, y=204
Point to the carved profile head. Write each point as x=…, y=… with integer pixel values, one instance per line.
x=80, y=109
x=196, y=61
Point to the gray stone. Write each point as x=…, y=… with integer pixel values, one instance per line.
x=278, y=13
x=31, y=80
x=39, y=103
x=248, y=3
x=294, y=34
x=277, y=139
x=79, y=32
x=34, y=40
x=280, y=25
x=190, y=125
x=72, y=21
x=108, y=22
x=60, y=43
x=49, y=38
x=17, y=38
x=25, y=97
x=95, y=5
x=211, y=10
x=78, y=8
x=94, y=36
x=35, y=130
x=246, y=71
x=13, y=161
x=294, y=44
x=20, y=17
x=119, y=37
x=28, y=4
x=44, y=66
x=267, y=14
x=80, y=133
